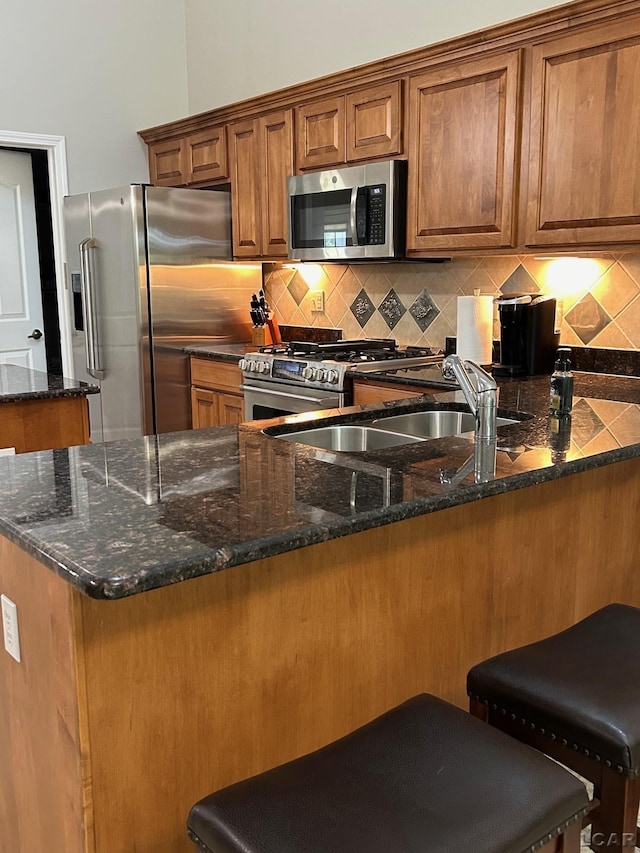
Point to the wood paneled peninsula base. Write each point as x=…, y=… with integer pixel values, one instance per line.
x=123, y=713
x=40, y=411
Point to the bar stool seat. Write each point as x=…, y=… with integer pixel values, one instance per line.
x=576, y=696
x=425, y=777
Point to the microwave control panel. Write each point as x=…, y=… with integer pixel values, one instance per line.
x=375, y=219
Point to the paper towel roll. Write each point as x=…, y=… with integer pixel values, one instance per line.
x=475, y=328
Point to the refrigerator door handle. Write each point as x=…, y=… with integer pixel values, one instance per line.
x=87, y=278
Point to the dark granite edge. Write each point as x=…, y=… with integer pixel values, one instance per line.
x=390, y=377
x=219, y=353
x=49, y=394
x=275, y=544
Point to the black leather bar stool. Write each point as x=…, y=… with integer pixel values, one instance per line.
x=426, y=777
x=576, y=697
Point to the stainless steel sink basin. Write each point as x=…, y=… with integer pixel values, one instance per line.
x=433, y=424
x=350, y=437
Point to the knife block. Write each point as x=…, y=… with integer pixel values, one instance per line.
x=261, y=336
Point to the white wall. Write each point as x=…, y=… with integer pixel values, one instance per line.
x=96, y=73
x=240, y=48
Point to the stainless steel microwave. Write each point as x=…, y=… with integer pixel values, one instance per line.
x=355, y=213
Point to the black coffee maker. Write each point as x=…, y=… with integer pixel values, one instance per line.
x=528, y=339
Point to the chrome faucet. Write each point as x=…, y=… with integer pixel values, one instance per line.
x=480, y=391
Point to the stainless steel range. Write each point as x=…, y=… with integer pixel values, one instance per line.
x=303, y=376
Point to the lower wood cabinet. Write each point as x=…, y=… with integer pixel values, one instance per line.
x=216, y=399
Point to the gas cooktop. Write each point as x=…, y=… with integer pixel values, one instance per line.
x=354, y=352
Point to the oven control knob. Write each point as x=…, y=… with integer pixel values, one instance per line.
x=251, y=365
x=242, y=364
x=332, y=377
x=321, y=375
x=308, y=373
x=262, y=367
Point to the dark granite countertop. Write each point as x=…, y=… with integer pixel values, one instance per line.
x=19, y=383
x=120, y=518
x=219, y=351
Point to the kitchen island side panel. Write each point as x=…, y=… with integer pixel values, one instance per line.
x=44, y=770
x=196, y=685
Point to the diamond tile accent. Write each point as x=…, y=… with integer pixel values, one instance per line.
x=391, y=308
x=520, y=282
x=424, y=311
x=587, y=318
x=362, y=308
x=298, y=288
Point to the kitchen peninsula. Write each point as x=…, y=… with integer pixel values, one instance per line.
x=196, y=607
x=40, y=411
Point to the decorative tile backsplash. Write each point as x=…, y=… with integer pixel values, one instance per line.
x=416, y=303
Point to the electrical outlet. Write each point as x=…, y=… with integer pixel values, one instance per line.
x=10, y=627
x=317, y=301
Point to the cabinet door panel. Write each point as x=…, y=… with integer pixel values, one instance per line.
x=245, y=201
x=276, y=142
x=464, y=122
x=584, y=184
x=374, y=122
x=204, y=408
x=320, y=134
x=231, y=409
x=207, y=155
x=167, y=163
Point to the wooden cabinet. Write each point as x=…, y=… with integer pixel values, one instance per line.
x=463, y=142
x=365, y=392
x=196, y=158
x=347, y=128
x=261, y=157
x=216, y=399
x=584, y=174
x=44, y=424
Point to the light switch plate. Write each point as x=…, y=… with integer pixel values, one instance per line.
x=10, y=627
x=317, y=301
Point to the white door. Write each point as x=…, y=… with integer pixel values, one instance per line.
x=21, y=322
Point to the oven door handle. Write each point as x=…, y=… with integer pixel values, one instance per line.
x=330, y=401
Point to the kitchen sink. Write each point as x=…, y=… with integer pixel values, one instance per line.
x=350, y=438
x=433, y=423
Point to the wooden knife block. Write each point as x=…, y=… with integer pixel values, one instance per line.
x=261, y=336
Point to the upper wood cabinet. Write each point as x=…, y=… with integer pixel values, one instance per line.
x=196, y=158
x=261, y=158
x=463, y=146
x=584, y=169
x=362, y=125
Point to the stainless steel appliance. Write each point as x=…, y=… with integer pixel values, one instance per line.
x=307, y=376
x=143, y=270
x=352, y=213
x=528, y=336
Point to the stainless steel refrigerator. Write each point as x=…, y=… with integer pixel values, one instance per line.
x=145, y=275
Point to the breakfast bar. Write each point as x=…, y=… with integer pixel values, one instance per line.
x=198, y=607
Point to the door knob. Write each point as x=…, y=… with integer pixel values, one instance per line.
x=36, y=335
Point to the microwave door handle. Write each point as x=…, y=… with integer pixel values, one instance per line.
x=353, y=215
x=87, y=281
x=361, y=216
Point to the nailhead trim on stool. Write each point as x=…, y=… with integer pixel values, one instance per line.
x=424, y=776
x=630, y=773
